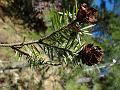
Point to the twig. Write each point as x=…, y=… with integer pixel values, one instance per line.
x=19, y=44
x=40, y=40
x=21, y=66
x=20, y=51
x=31, y=42
x=10, y=68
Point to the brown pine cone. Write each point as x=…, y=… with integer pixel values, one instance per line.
x=91, y=54
x=86, y=14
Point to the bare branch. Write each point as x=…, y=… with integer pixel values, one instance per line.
x=12, y=68
x=24, y=65
x=19, y=44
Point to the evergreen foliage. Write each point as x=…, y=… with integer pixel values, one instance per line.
x=68, y=43
x=65, y=41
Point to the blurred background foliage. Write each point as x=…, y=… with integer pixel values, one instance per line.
x=32, y=19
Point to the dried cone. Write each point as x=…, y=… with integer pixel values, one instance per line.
x=91, y=55
x=74, y=26
x=87, y=14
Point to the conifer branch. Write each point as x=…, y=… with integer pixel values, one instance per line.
x=30, y=42
x=38, y=41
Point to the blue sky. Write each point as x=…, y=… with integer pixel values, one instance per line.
x=109, y=6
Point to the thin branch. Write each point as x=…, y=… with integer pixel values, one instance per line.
x=31, y=42
x=40, y=40
x=52, y=64
x=24, y=65
x=19, y=44
x=10, y=68
x=20, y=51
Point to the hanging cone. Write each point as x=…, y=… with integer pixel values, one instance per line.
x=91, y=54
x=86, y=14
